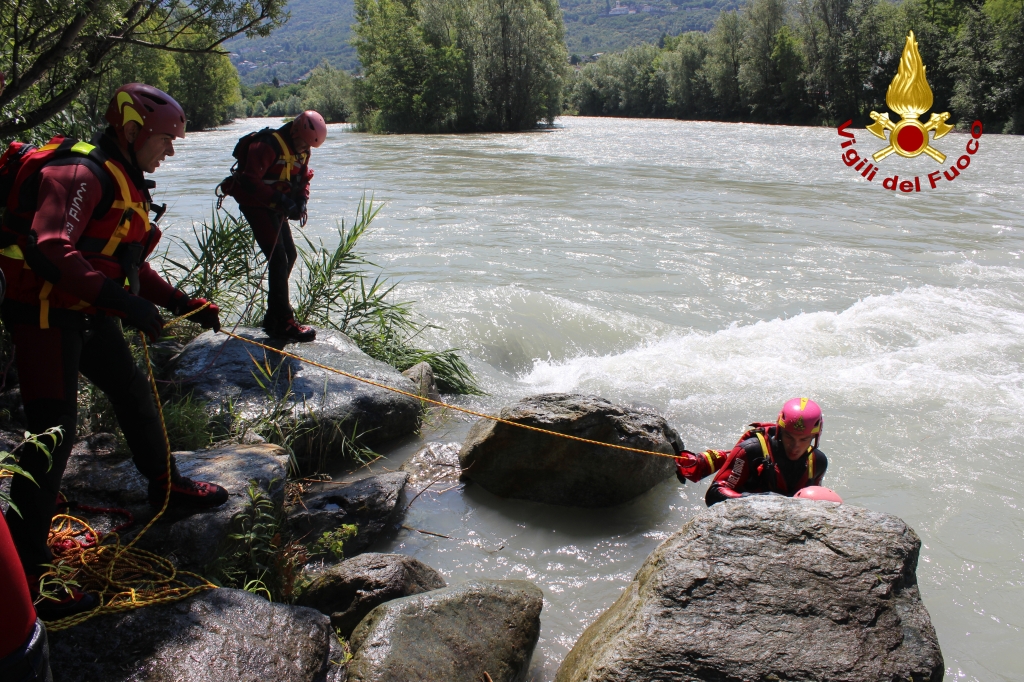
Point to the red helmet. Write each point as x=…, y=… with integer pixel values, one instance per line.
x=309, y=126
x=154, y=110
x=820, y=493
x=800, y=417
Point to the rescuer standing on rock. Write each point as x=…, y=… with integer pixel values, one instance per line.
x=778, y=458
x=270, y=182
x=73, y=247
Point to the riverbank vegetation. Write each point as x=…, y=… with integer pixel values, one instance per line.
x=818, y=61
x=326, y=89
x=458, y=65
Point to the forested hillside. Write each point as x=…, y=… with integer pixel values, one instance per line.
x=317, y=30
x=321, y=29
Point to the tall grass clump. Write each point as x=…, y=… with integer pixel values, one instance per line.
x=334, y=290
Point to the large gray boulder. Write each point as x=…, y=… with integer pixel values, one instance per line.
x=348, y=591
x=373, y=504
x=513, y=462
x=326, y=407
x=215, y=636
x=456, y=634
x=98, y=476
x=769, y=588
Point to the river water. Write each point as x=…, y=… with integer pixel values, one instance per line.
x=712, y=271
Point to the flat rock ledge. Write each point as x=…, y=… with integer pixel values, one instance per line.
x=97, y=476
x=327, y=407
x=769, y=588
x=373, y=504
x=513, y=462
x=348, y=591
x=215, y=636
x=456, y=634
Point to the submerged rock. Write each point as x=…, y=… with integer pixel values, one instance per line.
x=348, y=591
x=373, y=504
x=769, y=588
x=326, y=407
x=456, y=634
x=96, y=475
x=435, y=462
x=422, y=375
x=513, y=462
x=215, y=636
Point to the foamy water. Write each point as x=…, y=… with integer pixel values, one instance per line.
x=712, y=271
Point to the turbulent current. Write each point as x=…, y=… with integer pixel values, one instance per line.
x=713, y=271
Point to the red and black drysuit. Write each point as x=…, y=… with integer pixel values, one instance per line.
x=271, y=186
x=75, y=234
x=756, y=464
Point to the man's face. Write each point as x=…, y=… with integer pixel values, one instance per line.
x=300, y=145
x=796, y=447
x=154, y=150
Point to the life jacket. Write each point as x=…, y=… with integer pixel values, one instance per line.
x=765, y=468
x=285, y=175
x=116, y=240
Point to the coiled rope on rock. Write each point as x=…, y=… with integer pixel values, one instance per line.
x=127, y=577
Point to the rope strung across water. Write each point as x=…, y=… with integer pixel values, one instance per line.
x=444, y=404
x=128, y=577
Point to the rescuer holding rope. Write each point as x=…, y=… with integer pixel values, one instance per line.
x=270, y=182
x=781, y=457
x=73, y=247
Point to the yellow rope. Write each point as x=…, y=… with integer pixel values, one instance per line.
x=443, y=404
x=126, y=577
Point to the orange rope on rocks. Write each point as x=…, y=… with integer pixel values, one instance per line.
x=124, y=577
x=443, y=404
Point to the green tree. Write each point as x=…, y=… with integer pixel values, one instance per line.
x=329, y=91
x=206, y=86
x=52, y=50
x=722, y=68
x=689, y=90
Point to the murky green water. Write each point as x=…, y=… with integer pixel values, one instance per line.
x=713, y=271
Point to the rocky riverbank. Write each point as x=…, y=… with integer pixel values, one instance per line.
x=759, y=588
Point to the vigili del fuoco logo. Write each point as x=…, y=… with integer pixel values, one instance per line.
x=910, y=96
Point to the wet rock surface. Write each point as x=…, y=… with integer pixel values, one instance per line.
x=348, y=591
x=513, y=462
x=769, y=588
x=327, y=407
x=456, y=634
x=436, y=462
x=422, y=375
x=97, y=476
x=374, y=504
x=215, y=636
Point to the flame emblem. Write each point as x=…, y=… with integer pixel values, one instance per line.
x=909, y=95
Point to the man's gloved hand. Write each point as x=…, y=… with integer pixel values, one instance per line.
x=297, y=212
x=283, y=203
x=137, y=311
x=207, y=318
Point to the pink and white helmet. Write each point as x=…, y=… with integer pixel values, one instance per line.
x=820, y=493
x=309, y=126
x=801, y=417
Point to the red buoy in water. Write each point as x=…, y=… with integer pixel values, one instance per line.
x=817, y=492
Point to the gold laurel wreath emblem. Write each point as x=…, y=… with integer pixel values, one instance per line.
x=909, y=95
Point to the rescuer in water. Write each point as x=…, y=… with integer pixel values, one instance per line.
x=270, y=182
x=73, y=248
x=778, y=458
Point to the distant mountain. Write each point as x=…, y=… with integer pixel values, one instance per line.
x=317, y=30
x=321, y=29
